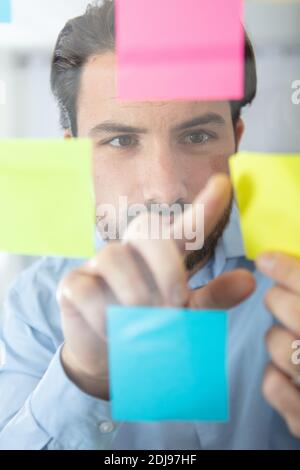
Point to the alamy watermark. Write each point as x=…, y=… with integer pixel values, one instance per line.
x=155, y=221
x=296, y=92
x=296, y=354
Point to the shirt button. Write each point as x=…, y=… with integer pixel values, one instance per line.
x=106, y=427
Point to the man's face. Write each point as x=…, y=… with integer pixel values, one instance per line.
x=150, y=152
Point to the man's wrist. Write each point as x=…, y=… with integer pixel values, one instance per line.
x=94, y=386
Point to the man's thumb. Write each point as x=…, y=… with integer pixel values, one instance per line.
x=226, y=291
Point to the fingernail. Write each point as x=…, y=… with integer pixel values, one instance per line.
x=216, y=186
x=266, y=262
x=65, y=292
x=92, y=263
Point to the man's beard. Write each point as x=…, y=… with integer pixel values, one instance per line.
x=198, y=256
x=194, y=258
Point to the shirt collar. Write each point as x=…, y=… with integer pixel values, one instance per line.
x=232, y=237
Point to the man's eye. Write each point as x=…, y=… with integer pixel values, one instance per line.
x=123, y=141
x=197, y=138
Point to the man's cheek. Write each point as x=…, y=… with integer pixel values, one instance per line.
x=203, y=168
x=220, y=164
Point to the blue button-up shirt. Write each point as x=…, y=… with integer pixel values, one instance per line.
x=40, y=408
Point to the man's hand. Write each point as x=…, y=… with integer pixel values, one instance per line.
x=138, y=272
x=281, y=385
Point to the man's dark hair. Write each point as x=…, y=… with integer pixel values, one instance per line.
x=93, y=33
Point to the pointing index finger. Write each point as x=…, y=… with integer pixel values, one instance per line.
x=201, y=218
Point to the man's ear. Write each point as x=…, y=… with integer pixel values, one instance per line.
x=67, y=134
x=239, y=131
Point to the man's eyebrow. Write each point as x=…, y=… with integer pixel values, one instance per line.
x=208, y=118
x=109, y=127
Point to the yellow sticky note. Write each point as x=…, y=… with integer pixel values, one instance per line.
x=47, y=202
x=267, y=188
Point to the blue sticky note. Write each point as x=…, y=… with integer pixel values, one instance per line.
x=5, y=11
x=167, y=364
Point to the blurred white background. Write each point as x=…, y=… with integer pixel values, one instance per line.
x=27, y=108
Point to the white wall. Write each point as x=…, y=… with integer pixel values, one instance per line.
x=26, y=46
x=273, y=121
x=36, y=23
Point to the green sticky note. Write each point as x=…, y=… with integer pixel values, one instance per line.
x=267, y=188
x=47, y=202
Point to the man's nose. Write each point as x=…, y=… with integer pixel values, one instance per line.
x=163, y=178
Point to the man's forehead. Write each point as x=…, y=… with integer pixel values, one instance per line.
x=98, y=91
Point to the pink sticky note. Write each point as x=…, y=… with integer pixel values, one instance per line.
x=180, y=49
